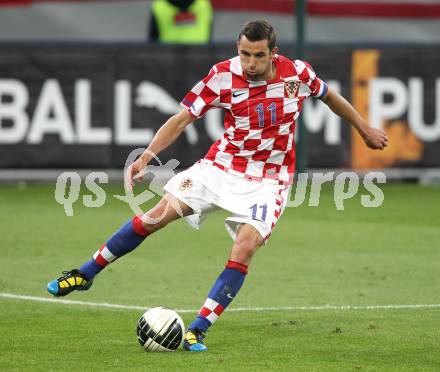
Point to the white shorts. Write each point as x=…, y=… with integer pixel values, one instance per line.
x=205, y=188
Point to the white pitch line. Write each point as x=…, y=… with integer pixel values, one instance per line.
x=258, y=309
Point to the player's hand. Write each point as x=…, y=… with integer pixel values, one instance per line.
x=135, y=172
x=376, y=139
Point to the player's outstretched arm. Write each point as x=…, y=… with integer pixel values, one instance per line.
x=164, y=137
x=374, y=138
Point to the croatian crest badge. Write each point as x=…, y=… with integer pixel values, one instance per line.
x=292, y=88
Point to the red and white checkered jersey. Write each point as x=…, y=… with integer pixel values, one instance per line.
x=260, y=116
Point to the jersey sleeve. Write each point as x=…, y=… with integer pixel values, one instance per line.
x=317, y=87
x=203, y=96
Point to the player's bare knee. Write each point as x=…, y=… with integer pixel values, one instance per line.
x=152, y=222
x=155, y=218
x=244, y=249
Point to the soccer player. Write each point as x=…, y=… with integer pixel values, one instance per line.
x=248, y=172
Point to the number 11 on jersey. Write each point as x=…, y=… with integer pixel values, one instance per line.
x=265, y=112
x=254, y=210
x=259, y=109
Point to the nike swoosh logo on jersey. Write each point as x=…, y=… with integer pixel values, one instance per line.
x=237, y=94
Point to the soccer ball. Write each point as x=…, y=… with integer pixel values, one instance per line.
x=160, y=329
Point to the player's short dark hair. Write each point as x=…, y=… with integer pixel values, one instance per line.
x=259, y=30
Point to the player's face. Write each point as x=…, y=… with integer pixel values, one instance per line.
x=256, y=58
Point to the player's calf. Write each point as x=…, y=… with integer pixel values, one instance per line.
x=129, y=236
x=126, y=239
x=219, y=297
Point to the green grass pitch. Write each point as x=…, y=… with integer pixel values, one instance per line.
x=316, y=256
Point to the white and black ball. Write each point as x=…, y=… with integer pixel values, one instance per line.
x=160, y=329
